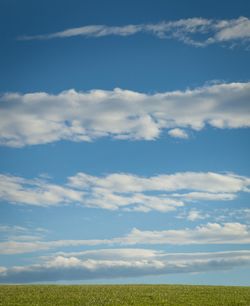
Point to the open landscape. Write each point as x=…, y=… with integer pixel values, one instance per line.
x=124, y=153
x=114, y=295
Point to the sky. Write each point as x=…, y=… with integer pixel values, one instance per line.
x=124, y=142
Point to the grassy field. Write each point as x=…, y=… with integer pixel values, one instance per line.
x=118, y=295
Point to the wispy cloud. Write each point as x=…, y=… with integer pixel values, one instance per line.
x=18, y=190
x=163, y=193
x=20, y=233
x=122, y=263
x=211, y=233
x=39, y=118
x=199, y=32
x=12, y=229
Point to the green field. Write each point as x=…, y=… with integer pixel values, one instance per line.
x=117, y=295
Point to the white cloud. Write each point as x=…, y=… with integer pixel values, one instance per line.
x=194, y=215
x=239, y=214
x=233, y=29
x=12, y=229
x=125, y=191
x=20, y=233
x=121, y=263
x=210, y=31
x=178, y=133
x=19, y=247
x=35, y=192
x=211, y=233
x=39, y=118
x=206, y=196
x=109, y=254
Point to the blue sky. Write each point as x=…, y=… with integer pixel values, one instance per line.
x=124, y=142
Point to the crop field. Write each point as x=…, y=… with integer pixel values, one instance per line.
x=118, y=295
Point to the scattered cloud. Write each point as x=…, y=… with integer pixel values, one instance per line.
x=241, y=214
x=40, y=118
x=128, y=192
x=211, y=233
x=198, y=32
x=115, y=263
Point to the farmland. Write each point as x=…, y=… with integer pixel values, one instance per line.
x=118, y=295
